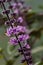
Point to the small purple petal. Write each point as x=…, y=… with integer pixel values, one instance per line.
x=26, y=36
x=20, y=38
x=27, y=45
x=9, y=31
x=14, y=5
x=20, y=5
x=14, y=31
x=21, y=29
x=13, y=41
x=20, y=20
x=23, y=37
x=16, y=11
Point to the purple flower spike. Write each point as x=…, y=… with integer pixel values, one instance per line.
x=13, y=41
x=17, y=30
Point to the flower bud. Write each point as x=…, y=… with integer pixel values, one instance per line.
x=6, y=12
x=20, y=20
x=10, y=7
x=7, y=23
x=20, y=50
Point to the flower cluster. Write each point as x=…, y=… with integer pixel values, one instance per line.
x=27, y=52
x=16, y=31
x=19, y=31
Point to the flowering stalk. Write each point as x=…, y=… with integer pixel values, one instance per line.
x=11, y=26
x=19, y=32
x=18, y=41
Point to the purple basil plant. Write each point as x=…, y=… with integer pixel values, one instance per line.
x=17, y=30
